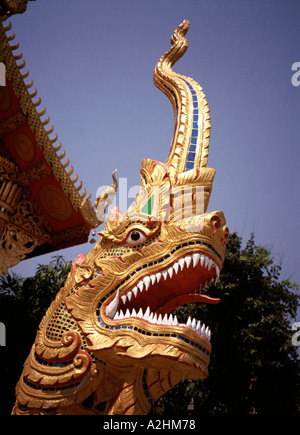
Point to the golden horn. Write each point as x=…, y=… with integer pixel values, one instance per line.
x=28, y=85
x=42, y=112
x=37, y=103
x=8, y=27
x=58, y=147
x=33, y=94
x=18, y=56
x=25, y=75
x=15, y=46
x=50, y=130
x=83, y=193
x=189, y=146
x=21, y=65
x=66, y=163
x=11, y=37
x=79, y=186
x=62, y=155
x=70, y=172
x=45, y=122
x=54, y=139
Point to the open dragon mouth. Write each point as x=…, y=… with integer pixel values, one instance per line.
x=155, y=295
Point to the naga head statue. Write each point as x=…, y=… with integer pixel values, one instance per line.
x=110, y=343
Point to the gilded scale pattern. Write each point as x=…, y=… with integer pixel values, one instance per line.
x=109, y=343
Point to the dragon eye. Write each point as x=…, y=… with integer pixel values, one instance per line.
x=135, y=237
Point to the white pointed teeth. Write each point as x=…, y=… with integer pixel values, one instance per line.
x=157, y=276
x=170, y=272
x=147, y=315
x=196, y=258
x=197, y=327
x=111, y=309
x=168, y=320
x=188, y=260
x=175, y=268
x=145, y=283
x=181, y=263
x=140, y=285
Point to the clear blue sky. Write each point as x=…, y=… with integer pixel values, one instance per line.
x=92, y=63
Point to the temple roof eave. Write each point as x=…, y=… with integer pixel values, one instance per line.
x=51, y=208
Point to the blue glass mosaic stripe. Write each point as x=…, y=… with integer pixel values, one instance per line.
x=195, y=131
x=191, y=156
x=145, y=386
x=52, y=363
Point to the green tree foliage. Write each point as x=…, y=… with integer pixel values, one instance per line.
x=37, y=292
x=23, y=303
x=254, y=367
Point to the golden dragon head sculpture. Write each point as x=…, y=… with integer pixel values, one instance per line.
x=109, y=343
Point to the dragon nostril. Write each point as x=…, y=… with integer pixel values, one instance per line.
x=226, y=233
x=216, y=221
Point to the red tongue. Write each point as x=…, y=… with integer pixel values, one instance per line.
x=186, y=299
